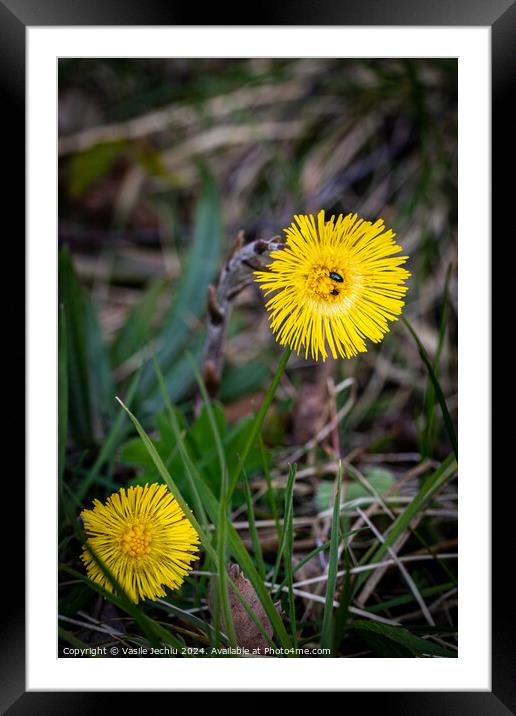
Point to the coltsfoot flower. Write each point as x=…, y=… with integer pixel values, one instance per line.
x=144, y=539
x=335, y=284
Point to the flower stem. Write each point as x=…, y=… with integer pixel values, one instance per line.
x=260, y=416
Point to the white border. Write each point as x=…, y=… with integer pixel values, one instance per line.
x=471, y=671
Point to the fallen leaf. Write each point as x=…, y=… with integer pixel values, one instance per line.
x=247, y=633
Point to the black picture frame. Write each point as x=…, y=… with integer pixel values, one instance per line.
x=500, y=15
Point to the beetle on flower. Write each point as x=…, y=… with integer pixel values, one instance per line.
x=335, y=284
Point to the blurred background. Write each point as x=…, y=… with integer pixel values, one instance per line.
x=161, y=163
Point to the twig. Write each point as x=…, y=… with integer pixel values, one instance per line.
x=234, y=277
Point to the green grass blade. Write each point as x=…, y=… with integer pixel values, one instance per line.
x=321, y=548
x=222, y=563
x=255, y=538
x=288, y=559
x=236, y=545
x=110, y=444
x=258, y=421
x=328, y=621
x=429, y=402
x=242, y=557
x=289, y=501
x=178, y=378
x=190, y=470
x=342, y=611
x=270, y=490
x=438, y=391
x=220, y=594
x=167, y=479
x=211, y=418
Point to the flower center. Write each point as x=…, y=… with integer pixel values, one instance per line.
x=326, y=283
x=136, y=541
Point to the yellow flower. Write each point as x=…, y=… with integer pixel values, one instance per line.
x=335, y=284
x=143, y=538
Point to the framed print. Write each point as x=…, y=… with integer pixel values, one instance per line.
x=258, y=310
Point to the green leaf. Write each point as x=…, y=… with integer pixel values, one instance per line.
x=135, y=454
x=238, y=380
x=178, y=378
x=190, y=297
x=380, y=480
x=201, y=444
x=136, y=330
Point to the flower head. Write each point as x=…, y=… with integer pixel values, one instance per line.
x=143, y=538
x=335, y=284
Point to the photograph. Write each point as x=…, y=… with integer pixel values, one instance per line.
x=257, y=357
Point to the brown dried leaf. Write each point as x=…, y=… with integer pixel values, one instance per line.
x=247, y=633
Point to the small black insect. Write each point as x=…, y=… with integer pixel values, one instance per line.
x=334, y=292
x=336, y=277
